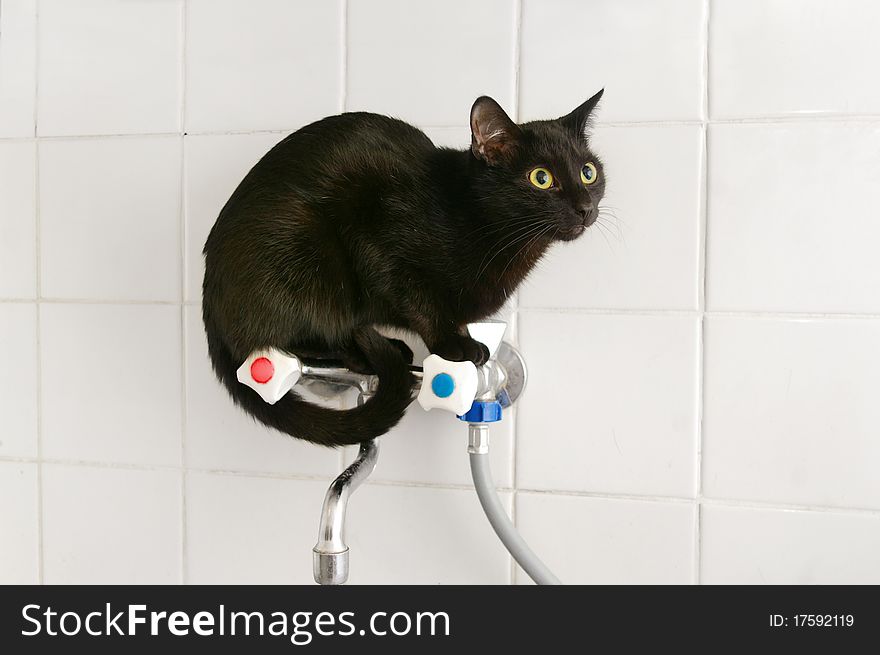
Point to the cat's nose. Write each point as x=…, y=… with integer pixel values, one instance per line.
x=587, y=213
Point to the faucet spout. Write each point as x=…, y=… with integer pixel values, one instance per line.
x=330, y=554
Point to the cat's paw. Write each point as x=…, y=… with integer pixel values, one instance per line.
x=463, y=349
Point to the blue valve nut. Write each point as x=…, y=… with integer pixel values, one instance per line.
x=443, y=385
x=483, y=411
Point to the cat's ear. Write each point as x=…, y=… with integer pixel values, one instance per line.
x=493, y=135
x=578, y=120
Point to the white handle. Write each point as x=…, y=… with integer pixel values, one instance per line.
x=448, y=385
x=271, y=373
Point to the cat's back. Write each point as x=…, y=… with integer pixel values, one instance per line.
x=346, y=147
x=343, y=170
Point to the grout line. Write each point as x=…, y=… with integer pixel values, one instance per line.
x=787, y=507
x=868, y=119
x=517, y=61
x=603, y=495
x=181, y=126
x=703, y=263
x=87, y=137
x=36, y=65
x=687, y=122
x=184, y=572
x=38, y=249
x=514, y=500
x=184, y=569
x=765, y=314
x=39, y=458
x=618, y=311
x=343, y=101
x=92, y=301
x=707, y=34
x=695, y=313
x=343, y=58
x=740, y=503
x=324, y=479
x=698, y=543
x=812, y=117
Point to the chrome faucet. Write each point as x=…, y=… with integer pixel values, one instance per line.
x=330, y=554
x=475, y=395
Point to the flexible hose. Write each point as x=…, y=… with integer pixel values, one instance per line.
x=511, y=539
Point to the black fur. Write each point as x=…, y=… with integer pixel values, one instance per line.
x=358, y=220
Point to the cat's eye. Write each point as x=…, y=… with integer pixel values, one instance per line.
x=541, y=178
x=589, y=174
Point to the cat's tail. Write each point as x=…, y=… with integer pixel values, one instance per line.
x=328, y=427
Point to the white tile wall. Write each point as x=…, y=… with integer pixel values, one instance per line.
x=791, y=411
x=17, y=225
x=111, y=526
x=794, y=57
x=110, y=218
x=609, y=541
x=251, y=530
x=426, y=448
x=794, y=547
x=793, y=217
x=20, y=519
x=18, y=386
x=111, y=383
x=450, y=137
x=109, y=67
x=427, y=62
x=647, y=54
x=18, y=79
x=577, y=427
x=433, y=536
x=701, y=405
x=265, y=64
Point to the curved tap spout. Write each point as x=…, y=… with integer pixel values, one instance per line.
x=330, y=554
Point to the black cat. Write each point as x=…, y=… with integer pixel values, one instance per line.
x=358, y=220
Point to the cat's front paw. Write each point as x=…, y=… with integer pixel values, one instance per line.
x=459, y=348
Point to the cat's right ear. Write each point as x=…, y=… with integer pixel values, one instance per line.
x=578, y=120
x=494, y=136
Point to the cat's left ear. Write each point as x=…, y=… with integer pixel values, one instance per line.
x=493, y=135
x=578, y=120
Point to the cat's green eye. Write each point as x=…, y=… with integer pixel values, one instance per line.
x=589, y=174
x=541, y=178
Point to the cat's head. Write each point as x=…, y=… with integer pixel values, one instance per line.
x=543, y=173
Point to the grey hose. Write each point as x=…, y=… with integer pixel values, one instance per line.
x=511, y=539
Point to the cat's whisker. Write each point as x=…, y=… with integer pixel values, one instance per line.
x=615, y=224
x=601, y=233
x=612, y=220
x=507, y=223
x=510, y=223
x=510, y=244
x=611, y=213
x=504, y=229
x=531, y=242
x=617, y=238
